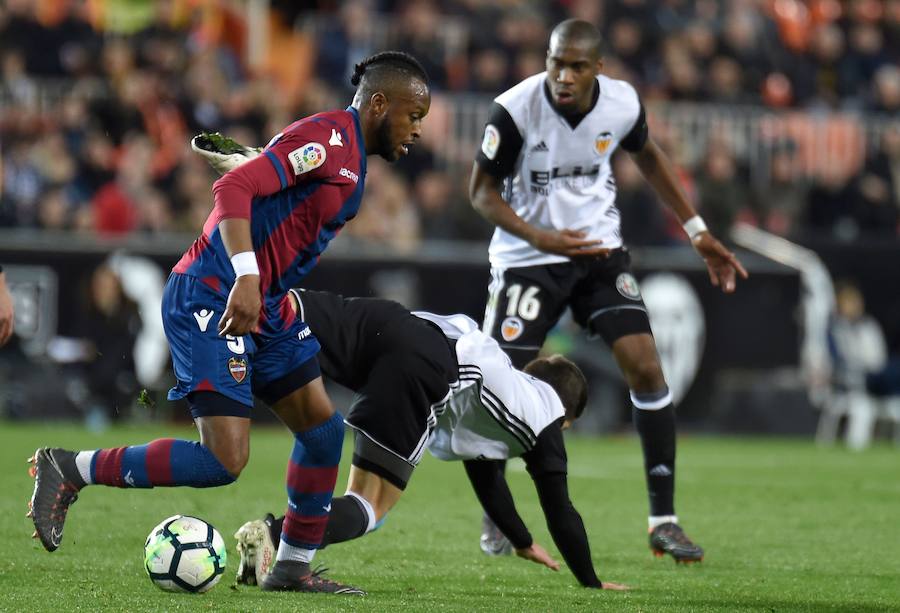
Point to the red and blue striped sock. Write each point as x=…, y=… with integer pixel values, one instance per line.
x=163, y=462
x=311, y=475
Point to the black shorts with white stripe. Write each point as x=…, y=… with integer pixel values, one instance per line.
x=525, y=303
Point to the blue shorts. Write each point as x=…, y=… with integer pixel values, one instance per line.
x=238, y=367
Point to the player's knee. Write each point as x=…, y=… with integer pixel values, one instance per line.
x=645, y=376
x=233, y=459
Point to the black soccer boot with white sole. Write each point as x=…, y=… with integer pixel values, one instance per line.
x=56, y=486
x=297, y=577
x=669, y=538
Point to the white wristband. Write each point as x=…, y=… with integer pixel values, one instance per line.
x=244, y=263
x=694, y=226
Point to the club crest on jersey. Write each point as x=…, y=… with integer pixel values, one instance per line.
x=308, y=157
x=628, y=286
x=601, y=143
x=511, y=328
x=491, y=142
x=238, y=369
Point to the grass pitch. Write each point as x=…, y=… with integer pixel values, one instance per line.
x=787, y=527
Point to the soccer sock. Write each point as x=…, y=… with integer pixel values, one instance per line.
x=351, y=517
x=311, y=475
x=654, y=420
x=163, y=462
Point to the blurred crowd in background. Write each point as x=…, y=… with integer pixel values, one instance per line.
x=100, y=98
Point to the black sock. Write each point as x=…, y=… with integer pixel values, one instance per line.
x=348, y=520
x=656, y=428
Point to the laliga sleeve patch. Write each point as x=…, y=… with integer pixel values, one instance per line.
x=308, y=157
x=491, y=143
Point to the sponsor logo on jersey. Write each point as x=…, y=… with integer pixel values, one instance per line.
x=628, y=286
x=335, y=140
x=304, y=333
x=238, y=369
x=541, y=147
x=349, y=174
x=601, y=143
x=308, y=157
x=491, y=143
x=511, y=328
x=541, y=179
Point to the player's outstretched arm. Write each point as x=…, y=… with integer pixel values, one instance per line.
x=492, y=490
x=484, y=192
x=723, y=266
x=546, y=463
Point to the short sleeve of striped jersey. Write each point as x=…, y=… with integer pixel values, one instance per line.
x=304, y=154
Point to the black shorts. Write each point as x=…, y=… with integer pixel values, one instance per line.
x=525, y=303
x=396, y=407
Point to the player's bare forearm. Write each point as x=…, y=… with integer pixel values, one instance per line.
x=484, y=192
x=241, y=314
x=659, y=172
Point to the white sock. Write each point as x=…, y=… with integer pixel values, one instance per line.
x=83, y=461
x=370, y=512
x=289, y=553
x=658, y=520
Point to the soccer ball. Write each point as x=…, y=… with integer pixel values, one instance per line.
x=184, y=554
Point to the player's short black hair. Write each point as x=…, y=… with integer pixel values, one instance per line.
x=376, y=70
x=578, y=30
x=565, y=378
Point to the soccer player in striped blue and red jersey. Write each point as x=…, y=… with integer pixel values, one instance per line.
x=231, y=329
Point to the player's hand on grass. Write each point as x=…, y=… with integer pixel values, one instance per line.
x=722, y=265
x=241, y=314
x=538, y=554
x=618, y=587
x=570, y=243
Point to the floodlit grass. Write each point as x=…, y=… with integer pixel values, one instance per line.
x=787, y=527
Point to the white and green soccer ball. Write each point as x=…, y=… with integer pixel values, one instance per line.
x=184, y=554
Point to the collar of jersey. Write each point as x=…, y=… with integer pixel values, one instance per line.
x=575, y=119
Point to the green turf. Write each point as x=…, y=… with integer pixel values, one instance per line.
x=787, y=527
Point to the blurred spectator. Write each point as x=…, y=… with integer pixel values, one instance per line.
x=779, y=201
x=110, y=326
x=387, y=216
x=855, y=339
x=643, y=216
x=829, y=208
x=722, y=196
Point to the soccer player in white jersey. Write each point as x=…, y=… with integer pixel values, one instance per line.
x=543, y=177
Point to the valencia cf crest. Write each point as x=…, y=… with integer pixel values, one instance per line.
x=238, y=369
x=601, y=143
x=511, y=328
x=628, y=286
